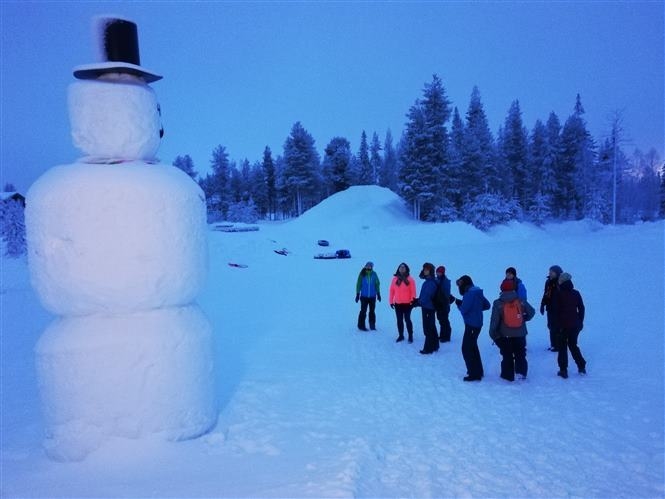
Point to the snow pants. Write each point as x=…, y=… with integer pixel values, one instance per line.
x=471, y=353
x=513, y=357
x=444, y=324
x=367, y=303
x=568, y=341
x=429, y=328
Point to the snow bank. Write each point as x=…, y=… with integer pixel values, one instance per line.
x=125, y=375
x=361, y=207
x=123, y=237
x=112, y=119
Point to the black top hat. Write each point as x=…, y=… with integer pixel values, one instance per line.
x=119, y=51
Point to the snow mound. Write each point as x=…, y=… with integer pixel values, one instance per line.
x=358, y=207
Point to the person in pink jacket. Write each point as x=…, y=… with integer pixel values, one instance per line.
x=402, y=297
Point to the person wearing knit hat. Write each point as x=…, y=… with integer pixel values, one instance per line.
x=548, y=303
x=511, y=273
x=443, y=304
x=508, y=330
x=570, y=316
x=367, y=292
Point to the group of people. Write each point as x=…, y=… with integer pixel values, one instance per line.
x=561, y=302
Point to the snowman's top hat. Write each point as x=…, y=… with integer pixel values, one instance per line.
x=118, y=50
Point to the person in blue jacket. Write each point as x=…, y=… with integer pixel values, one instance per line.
x=425, y=300
x=472, y=305
x=520, y=288
x=367, y=292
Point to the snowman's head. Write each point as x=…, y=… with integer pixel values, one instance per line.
x=113, y=112
x=116, y=117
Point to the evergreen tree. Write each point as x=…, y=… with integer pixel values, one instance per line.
x=551, y=162
x=12, y=224
x=364, y=165
x=537, y=204
x=258, y=188
x=236, y=185
x=337, y=165
x=514, y=157
x=413, y=179
x=375, y=160
x=479, y=157
x=9, y=187
x=424, y=151
x=577, y=158
x=302, y=177
x=452, y=183
x=216, y=185
x=270, y=176
x=388, y=172
x=489, y=209
x=186, y=164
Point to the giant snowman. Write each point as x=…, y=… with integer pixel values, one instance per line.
x=117, y=250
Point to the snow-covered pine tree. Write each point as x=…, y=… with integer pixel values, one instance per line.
x=258, y=189
x=577, y=159
x=271, y=182
x=12, y=224
x=536, y=207
x=489, y=209
x=452, y=182
x=186, y=164
x=424, y=150
x=302, y=176
x=375, y=160
x=216, y=185
x=479, y=158
x=363, y=162
x=388, y=172
x=336, y=166
x=513, y=154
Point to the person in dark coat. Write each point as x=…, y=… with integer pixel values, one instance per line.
x=510, y=340
x=471, y=306
x=367, y=292
x=425, y=300
x=443, y=307
x=570, y=315
x=548, y=303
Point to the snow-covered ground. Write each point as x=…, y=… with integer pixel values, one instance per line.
x=311, y=407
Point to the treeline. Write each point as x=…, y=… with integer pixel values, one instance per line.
x=448, y=168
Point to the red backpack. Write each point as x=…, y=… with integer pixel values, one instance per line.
x=512, y=313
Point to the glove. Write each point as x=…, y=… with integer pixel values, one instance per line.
x=458, y=302
x=357, y=297
x=451, y=299
x=415, y=302
x=378, y=296
x=392, y=305
x=542, y=309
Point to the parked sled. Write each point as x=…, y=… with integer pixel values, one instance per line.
x=339, y=254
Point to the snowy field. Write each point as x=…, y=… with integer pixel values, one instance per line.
x=311, y=407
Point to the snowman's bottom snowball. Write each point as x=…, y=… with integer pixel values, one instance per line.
x=132, y=375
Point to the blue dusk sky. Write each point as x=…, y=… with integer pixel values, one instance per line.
x=240, y=74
